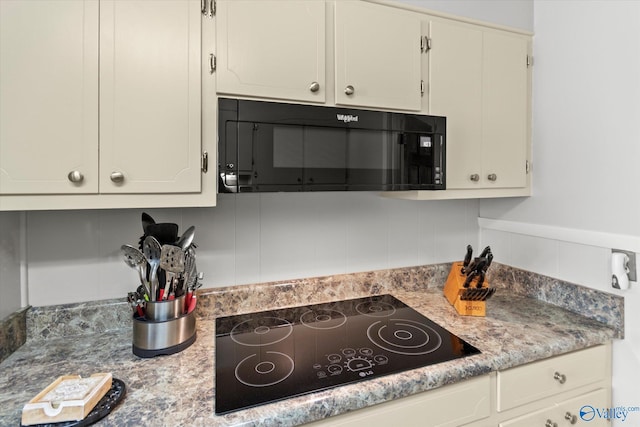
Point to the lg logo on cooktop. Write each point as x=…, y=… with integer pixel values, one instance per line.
x=347, y=118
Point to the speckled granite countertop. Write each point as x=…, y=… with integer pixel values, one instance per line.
x=524, y=323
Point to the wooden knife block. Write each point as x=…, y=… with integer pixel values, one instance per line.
x=453, y=289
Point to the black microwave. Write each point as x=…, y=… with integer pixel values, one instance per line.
x=267, y=146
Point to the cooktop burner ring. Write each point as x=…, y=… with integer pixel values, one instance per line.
x=413, y=338
x=376, y=309
x=261, y=331
x=323, y=319
x=264, y=373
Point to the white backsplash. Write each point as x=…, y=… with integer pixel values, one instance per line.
x=74, y=256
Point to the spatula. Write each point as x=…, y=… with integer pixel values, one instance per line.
x=172, y=262
x=152, y=252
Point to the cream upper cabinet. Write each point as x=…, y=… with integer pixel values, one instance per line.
x=48, y=96
x=273, y=49
x=505, y=109
x=479, y=79
x=455, y=91
x=101, y=104
x=377, y=56
x=150, y=96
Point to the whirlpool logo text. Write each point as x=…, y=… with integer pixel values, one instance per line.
x=589, y=413
x=347, y=118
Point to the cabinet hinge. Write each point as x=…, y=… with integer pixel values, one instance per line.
x=208, y=8
x=212, y=63
x=527, y=167
x=529, y=61
x=205, y=162
x=421, y=87
x=425, y=44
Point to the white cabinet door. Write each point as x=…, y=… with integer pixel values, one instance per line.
x=455, y=91
x=377, y=56
x=505, y=109
x=479, y=80
x=273, y=49
x=150, y=98
x=48, y=96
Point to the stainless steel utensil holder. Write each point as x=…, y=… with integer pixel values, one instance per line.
x=166, y=333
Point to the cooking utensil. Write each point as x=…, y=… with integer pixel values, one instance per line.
x=152, y=252
x=172, y=262
x=187, y=237
x=134, y=258
x=146, y=221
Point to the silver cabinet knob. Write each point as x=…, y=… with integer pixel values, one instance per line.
x=349, y=90
x=550, y=423
x=76, y=177
x=117, y=177
x=474, y=177
x=571, y=418
x=314, y=87
x=492, y=177
x=561, y=378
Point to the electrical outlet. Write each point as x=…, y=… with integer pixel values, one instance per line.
x=631, y=264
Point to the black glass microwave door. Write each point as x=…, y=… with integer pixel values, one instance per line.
x=374, y=159
x=278, y=155
x=325, y=158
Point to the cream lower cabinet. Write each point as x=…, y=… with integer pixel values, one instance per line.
x=449, y=406
x=292, y=54
x=479, y=78
x=101, y=99
x=560, y=391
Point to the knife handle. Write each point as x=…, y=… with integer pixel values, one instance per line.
x=467, y=257
x=469, y=279
x=486, y=251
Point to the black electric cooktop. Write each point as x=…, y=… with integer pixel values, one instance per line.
x=271, y=355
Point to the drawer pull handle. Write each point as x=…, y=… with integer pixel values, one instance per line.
x=550, y=423
x=571, y=418
x=561, y=378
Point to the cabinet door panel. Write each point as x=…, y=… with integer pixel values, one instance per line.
x=49, y=102
x=150, y=100
x=273, y=49
x=377, y=52
x=455, y=91
x=505, y=109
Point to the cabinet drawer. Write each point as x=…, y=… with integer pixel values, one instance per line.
x=448, y=406
x=568, y=412
x=547, y=377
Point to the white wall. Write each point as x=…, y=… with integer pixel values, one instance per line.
x=512, y=13
x=586, y=139
x=74, y=256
